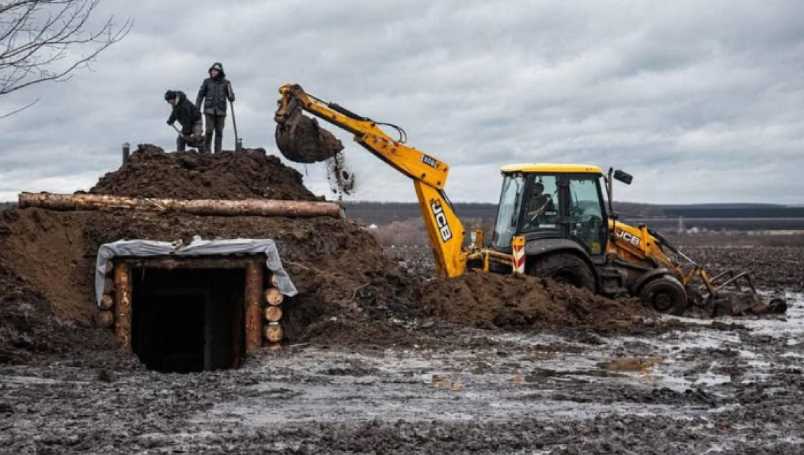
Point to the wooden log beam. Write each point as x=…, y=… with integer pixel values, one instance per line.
x=193, y=262
x=273, y=313
x=206, y=207
x=274, y=297
x=253, y=307
x=107, y=302
x=122, y=306
x=274, y=332
x=104, y=319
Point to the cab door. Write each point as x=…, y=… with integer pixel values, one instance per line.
x=584, y=212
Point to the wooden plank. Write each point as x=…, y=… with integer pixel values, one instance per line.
x=122, y=307
x=194, y=262
x=253, y=307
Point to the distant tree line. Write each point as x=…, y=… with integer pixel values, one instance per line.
x=386, y=212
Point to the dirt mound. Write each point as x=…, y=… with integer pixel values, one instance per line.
x=249, y=174
x=521, y=302
x=28, y=326
x=334, y=263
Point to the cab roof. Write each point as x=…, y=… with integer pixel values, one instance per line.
x=551, y=168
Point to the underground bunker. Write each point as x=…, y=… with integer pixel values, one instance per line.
x=185, y=319
x=186, y=309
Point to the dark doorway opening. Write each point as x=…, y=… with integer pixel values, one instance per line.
x=187, y=320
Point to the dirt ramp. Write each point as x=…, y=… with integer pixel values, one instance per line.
x=150, y=172
x=521, y=302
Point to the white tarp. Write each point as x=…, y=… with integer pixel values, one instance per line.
x=198, y=247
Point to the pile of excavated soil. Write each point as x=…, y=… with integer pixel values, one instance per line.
x=338, y=268
x=29, y=327
x=518, y=302
x=249, y=174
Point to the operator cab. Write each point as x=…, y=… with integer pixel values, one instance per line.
x=552, y=201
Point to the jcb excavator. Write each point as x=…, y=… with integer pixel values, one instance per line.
x=552, y=220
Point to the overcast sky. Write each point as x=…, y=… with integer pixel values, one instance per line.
x=701, y=101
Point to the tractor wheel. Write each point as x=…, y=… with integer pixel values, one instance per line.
x=565, y=268
x=665, y=294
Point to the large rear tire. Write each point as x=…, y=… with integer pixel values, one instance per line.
x=565, y=268
x=665, y=294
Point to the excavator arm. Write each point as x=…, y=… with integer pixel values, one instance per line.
x=429, y=175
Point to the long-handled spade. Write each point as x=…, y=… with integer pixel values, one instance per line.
x=238, y=144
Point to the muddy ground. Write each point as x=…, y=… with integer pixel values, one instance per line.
x=690, y=386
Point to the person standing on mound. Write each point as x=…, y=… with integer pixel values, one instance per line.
x=215, y=92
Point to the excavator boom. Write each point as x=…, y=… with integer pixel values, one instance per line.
x=429, y=175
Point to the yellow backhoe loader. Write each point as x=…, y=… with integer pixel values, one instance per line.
x=552, y=220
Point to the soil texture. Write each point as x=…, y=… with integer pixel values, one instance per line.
x=250, y=174
x=525, y=302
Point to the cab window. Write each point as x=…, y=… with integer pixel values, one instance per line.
x=542, y=204
x=508, y=210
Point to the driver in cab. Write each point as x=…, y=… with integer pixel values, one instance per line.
x=539, y=203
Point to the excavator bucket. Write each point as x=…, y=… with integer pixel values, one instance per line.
x=300, y=139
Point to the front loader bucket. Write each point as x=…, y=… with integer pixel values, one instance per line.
x=734, y=294
x=733, y=303
x=301, y=140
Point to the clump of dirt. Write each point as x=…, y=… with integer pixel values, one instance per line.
x=488, y=300
x=250, y=174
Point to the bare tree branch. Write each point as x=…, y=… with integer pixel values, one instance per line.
x=48, y=40
x=18, y=110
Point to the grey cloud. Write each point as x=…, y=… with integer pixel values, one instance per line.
x=699, y=100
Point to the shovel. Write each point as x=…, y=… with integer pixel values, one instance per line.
x=187, y=137
x=238, y=144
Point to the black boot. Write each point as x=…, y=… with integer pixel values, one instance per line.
x=208, y=141
x=218, y=142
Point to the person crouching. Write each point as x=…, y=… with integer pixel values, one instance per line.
x=189, y=117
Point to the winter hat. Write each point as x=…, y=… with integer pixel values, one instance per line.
x=170, y=94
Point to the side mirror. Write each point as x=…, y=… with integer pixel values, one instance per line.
x=623, y=177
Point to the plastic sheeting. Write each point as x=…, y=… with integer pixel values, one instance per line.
x=198, y=247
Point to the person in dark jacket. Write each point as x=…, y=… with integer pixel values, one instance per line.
x=214, y=92
x=188, y=116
